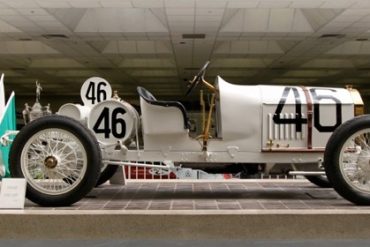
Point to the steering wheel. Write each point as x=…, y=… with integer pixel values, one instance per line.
x=197, y=78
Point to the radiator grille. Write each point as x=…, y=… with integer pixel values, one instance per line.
x=284, y=131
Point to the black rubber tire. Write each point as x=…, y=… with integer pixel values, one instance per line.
x=321, y=181
x=106, y=174
x=331, y=159
x=89, y=143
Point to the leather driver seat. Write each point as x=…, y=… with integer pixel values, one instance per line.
x=150, y=99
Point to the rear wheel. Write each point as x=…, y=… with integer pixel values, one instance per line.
x=60, y=159
x=347, y=160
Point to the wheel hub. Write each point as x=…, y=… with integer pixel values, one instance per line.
x=51, y=162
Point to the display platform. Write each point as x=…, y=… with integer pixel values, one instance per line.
x=249, y=209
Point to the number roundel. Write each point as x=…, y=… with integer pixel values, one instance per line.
x=95, y=90
x=112, y=120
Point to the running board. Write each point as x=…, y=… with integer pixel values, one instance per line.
x=122, y=163
x=307, y=173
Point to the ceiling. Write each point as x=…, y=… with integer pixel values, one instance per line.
x=160, y=44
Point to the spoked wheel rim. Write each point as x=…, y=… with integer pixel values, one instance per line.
x=354, y=161
x=54, y=161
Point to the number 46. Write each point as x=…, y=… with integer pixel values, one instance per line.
x=97, y=94
x=298, y=121
x=107, y=123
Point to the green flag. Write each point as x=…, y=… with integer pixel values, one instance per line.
x=7, y=122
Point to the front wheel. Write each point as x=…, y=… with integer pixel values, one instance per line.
x=60, y=159
x=347, y=160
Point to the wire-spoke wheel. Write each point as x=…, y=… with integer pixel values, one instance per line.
x=347, y=160
x=59, y=158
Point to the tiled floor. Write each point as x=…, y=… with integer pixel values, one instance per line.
x=278, y=194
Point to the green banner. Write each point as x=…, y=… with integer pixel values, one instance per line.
x=8, y=122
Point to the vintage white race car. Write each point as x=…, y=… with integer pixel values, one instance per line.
x=61, y=156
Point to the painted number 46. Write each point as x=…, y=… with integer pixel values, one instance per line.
x=110, y=122
x=95, y=90
x=298, y=120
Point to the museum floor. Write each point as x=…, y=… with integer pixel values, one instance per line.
x=228, y=195
x=249, y=209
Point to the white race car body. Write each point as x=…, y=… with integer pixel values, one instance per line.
x=254, y=124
